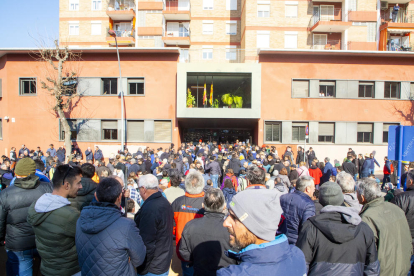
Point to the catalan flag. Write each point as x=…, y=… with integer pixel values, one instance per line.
x=211, y=95
x=205, y=94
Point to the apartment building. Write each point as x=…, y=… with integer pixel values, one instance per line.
x=232, y=30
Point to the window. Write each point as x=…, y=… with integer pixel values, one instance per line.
x=96, y=28
x=109, y=130
x=385, y=129
x=73, y=130
x=364, y=133
x=208, y=27
x=184, y=55
x=291, y=40
x=366, y=89
x=231, y=27
x=96, y=5
x=231, y=5
x=162, y=131
x=392, y=90
x=300, y=88
x=110, y=86
x=207, y=52
x=73, y=28
x=263, y=39
x=263, y=9
x=291, y=9
x=27, y=86
x=320, y=41
x=327, y=12
x=208, y=4
x=231, y=52
x=136, y=86
x=327, y=89
x=73, y=5
x=135, y=131
x=273, y=132
x=299, y=132
x=326, y=132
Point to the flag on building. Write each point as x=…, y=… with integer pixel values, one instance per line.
x=211, y=95
x=205, y=94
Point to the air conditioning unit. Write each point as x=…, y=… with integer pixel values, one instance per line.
x=384, y=5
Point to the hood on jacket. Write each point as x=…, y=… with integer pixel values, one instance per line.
x=43, y=206
x=29, y=182
x=88, y=185
x=98, y=216
x=338, y=223
x=281, y=187
x=229, y=191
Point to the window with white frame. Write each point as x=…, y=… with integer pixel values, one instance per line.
x=96, y=28
x=208, y=4
x=291, y=9
x=231, y=52
x=208, y=27
x=291, y=40
x=364, y=133
x=231, y=5
x=263, y=8
x=73, y=5
x=27, y=86
x=96, y=5
x=231, y=27
x=320, y=41
x=207, y=52
x=136, y=86
x=74, y=28
x=263, y=39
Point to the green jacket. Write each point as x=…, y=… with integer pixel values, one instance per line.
x=85, y=195
x=392, y=236
x=54, y=224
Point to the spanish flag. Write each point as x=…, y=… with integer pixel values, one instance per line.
x=211, y=95
x=205, y=94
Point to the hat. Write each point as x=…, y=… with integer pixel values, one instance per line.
x=25, y=167
x=259, y=210
x=293, y=166
x=119, y=166
x=330, y=193
x=367, y=155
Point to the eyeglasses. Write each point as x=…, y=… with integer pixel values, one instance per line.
x=66, y=174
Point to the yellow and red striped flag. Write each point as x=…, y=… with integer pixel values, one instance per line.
x=211, y=95
x=205, y=94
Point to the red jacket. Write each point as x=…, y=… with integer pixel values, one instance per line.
x=316, y=174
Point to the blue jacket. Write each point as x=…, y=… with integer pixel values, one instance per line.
x=327, y=172
x=42, y=176
x=98, y=155
x=228, y=195
x=297, y=208
x=106, y=242
x=273, y=258
x=368, y=163
x=89, y=155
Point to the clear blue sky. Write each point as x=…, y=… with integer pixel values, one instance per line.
x=23, y=22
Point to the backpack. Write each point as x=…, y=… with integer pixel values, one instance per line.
x=242, y=183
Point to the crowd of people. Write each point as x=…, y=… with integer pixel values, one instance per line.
x=224, y=209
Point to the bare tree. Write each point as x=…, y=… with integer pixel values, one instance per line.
x=62, y=69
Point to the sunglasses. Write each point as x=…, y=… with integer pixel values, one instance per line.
x=66, y=174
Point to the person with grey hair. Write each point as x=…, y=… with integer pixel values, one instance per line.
x=347, y=184
x=256, y=178
x=205, y=240
x=298, y=206
x=186, y=208
x=390, y=227
x=155, y=223
x=327, y=170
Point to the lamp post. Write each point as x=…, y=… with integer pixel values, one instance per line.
x=113, y=34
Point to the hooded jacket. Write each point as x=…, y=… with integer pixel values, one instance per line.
x=406, y=202
x=54, y=223
x=85, y=195
x=336, y=242
x=351, y=200
x=107, y=243
x=269, y=258
x=228, y=194
x=327, y=172
x=14, y=206
x=392, y=236
x=350, y=168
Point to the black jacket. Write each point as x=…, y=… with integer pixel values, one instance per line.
x=350, y=168
x=234, y=164
x=337, y=242
x=85, y=195
x=14, y=206
x=203, y=243
x=155, y=223
x=406, y=202
x=299, y=157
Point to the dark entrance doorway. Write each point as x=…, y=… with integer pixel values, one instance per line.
x=220, y=130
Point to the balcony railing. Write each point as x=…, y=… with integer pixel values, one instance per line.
x=331, y=44
x=123, y=33
x=121, y=5
x=177, y=5
x=403, y=16
x=335, y=16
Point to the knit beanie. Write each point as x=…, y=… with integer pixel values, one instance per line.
x=25, y=167
x=259, y=210
x=330, y=193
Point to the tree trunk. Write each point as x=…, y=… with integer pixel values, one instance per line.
x=68, y=134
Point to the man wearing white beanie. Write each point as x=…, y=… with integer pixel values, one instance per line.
x=254, y=217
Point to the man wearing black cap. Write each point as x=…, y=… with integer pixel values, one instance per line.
x=14, y=205
x=337, y=242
